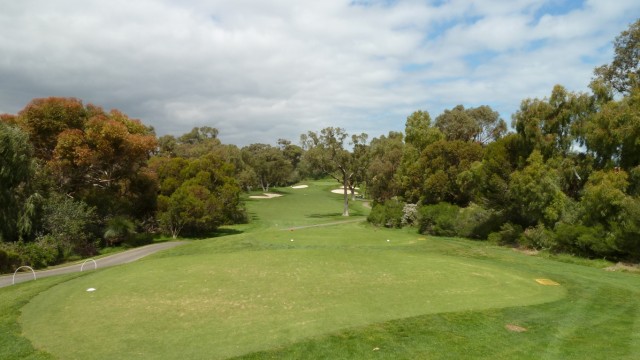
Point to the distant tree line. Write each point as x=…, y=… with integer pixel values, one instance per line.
x=75, y=178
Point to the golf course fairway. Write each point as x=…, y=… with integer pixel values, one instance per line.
x=343, y=290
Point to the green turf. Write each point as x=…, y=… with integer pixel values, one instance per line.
x=335, y=292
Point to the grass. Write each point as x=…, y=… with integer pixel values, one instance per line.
x=338, y=292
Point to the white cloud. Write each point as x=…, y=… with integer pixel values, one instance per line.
x=263, y=70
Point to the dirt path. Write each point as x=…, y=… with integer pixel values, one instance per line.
x=111, y=260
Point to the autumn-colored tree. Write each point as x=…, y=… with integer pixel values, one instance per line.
x=102, y=161
x=44, y=119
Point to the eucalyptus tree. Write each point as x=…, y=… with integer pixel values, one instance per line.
x=326, y=151
x=623, y=74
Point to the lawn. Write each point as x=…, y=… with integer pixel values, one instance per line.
x=338, y=292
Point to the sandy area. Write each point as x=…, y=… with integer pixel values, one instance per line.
x=300, y=186
x=265, y=196
x=341, y=191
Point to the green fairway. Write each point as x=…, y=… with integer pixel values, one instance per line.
x=339, y=291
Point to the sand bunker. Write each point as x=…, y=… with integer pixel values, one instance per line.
x=265, y=196
x=300, y=186
x=341, y=191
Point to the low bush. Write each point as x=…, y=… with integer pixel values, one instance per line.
x=476, y=222
x=440, y=219
x=508, y=234
x=537, y=237
x=390, y=214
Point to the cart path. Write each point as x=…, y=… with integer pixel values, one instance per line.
x=107, y=261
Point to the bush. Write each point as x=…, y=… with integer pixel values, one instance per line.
x=410, y=215
x=475, y=222
x=390, y=214
x=40, y=253
x=508, y=234
x=537, y=237
x=9, y=260
x=582, y=240
x=140, y=239
x=439, y=219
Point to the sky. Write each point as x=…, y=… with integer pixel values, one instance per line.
x=262, y=70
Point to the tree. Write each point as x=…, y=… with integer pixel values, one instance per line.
x=418, y=131
x=446, y=167
x=196, y=195
x=326, y=152
x=552, y=125
x=418, y=135
x=16, y=171
x=535, y=194
x=623, y=73
x=386, y=156
x=612, y=134
x=102, y=161
x=268, y=163
x=480, y=124
x=44, y=119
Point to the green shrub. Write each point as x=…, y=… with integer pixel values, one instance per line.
x=475, y=222
x=9, y=260
x=438, y=219
x=140, y=239
x=390, y=214
x=508, y=234
x=537, y=237
x=40, y=253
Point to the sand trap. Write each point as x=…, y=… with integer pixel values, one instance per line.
x=265, y=196
x=341, y=191
x=300, y=186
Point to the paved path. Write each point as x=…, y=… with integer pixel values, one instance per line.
x=111, y=260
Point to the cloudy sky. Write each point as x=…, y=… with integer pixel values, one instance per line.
x=260, y=70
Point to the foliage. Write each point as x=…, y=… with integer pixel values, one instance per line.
x=439, y=219
x=535, y=194
x=386, y=154
x=119, y=229
x=16, y=171
x=551, y=125
x=476, y=222
x=72, y=224
x=390, y=214
x=480, y=124
x=623, y=73
x=446, y=166
x=326, y=152
x=508, y=235
x=537, y=237
x=197, y=195
x=268, y=164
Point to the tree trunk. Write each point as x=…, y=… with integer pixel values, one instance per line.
x=345, y=184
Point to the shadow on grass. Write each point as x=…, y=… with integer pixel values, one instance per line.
x=324, y=216
x=216, y=234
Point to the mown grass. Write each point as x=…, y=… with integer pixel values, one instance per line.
x=337, y=292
